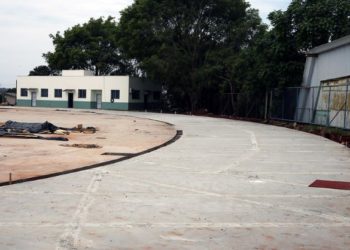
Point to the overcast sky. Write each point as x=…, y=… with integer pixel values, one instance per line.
x=25, y=26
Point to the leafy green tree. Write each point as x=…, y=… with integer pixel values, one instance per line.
x=183, y=44
x=91, y=46
x=280, y=60
x=280, y=53
x=276, y=57
x=41, y=70
x=304, y=25
x=315, y=22
x=12, y=90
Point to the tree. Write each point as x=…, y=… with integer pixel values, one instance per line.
x=41, y=70
x=280, y=53
x=276, y=57
x=11, y=90
x=91, y=46
x=182, y=43
x=315, y=22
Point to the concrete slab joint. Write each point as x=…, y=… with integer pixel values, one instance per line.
x=225, y=185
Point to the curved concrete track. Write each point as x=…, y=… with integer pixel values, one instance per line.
x=224, y=185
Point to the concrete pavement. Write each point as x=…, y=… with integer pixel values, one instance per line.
x=224, y=185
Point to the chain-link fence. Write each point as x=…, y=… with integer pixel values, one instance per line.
x=326, y=105
x=245, y=105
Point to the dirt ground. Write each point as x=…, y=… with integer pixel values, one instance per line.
x=25, y=158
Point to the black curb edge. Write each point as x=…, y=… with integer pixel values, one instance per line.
x=172, y=140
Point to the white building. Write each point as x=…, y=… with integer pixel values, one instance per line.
x=325, y=97
x=81, y=89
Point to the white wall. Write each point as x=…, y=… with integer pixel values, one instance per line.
x=120, y=83
x=102, y=83
x=77, y=73
x=331, y=64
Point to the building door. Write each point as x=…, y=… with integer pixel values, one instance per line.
x=33, y=99
x=70, y=100
x=98, y=101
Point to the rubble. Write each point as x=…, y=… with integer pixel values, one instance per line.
x=61, y=132
x=79, y=145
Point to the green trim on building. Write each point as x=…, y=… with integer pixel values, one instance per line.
x=88, y=105
x=24, y=103
x=82, y=105
x=93, y=105
x=115, y=105
x=76, y=104
x=52, y=104
x=41, y=103
x=55, y=104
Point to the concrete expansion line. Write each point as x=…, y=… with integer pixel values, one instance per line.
x=219, y=225
x=185, y=225
x=29, y=192
x=252, y=151
x=70, y=237
x=344, y=195
x=330, y=217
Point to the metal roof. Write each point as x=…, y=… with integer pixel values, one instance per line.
x=329, y=46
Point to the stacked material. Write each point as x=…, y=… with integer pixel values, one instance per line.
x=27, y=130
x=27, y=127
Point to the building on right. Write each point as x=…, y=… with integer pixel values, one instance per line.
x=324, y=98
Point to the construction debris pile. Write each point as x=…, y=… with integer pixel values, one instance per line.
x=26, y=130
x=81, y=145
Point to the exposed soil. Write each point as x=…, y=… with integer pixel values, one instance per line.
x=26, y=158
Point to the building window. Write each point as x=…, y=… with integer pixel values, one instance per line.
x=82, y=93
x=135, y=94
x=24, y=92
x=115, y=94
x=58, y=93
x=44, y=92
x=156, y=95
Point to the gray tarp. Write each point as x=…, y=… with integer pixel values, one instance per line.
x=20, y=127
x=26, y=130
